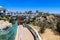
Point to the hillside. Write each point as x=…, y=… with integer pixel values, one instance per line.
x=48, y=26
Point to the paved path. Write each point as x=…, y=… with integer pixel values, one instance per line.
x=23, y=34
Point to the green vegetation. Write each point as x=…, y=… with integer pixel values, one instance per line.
x=5, y=19
x=34, y=23
x=9, y=18
x=58, y=27
x=42, y=29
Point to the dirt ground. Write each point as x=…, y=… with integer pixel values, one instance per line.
x=48, y=34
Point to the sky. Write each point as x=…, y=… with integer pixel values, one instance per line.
x=51, y=6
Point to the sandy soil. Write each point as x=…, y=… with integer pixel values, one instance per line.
x=23, y=34
x=48, y=35
x=36, y=27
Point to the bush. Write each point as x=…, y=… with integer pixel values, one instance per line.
x=5, y=19
x=12, y=21
x=42, y=29
x=58, y=27
x=34, y=23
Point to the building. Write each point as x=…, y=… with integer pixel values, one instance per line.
x=2, y=12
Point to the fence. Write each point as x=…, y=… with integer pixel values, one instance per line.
x=8, y=34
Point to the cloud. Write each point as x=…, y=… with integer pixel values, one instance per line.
x=0, y=6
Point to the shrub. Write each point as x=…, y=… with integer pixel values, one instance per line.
x=34, y=23
x=5, y=19
x=58, y=27
x=42, y=29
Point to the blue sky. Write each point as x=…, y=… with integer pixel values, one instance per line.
x=52, y=6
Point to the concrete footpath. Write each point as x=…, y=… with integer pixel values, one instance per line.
x=23, y=34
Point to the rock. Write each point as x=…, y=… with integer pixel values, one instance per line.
x=5, y=24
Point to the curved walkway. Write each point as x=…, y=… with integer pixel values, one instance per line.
x=23, y=34
x=34, y=32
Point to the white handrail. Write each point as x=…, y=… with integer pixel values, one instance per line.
x=36, y=32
